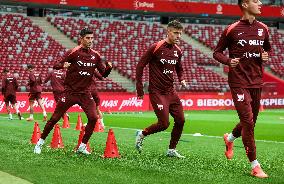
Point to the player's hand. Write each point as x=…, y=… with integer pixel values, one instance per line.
x=110, y=64
x=234, y=62
x=183, y=83
x=99, y=113
x=264, y=56
x=66, y=65
x=140, y=97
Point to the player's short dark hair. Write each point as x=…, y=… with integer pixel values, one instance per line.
x=240, y=2
x=175, y=24
x=85, y=31
x=30, y=66
x=6, y=70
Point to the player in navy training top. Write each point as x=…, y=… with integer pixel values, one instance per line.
x=164, y=58
x=248, y=44
x=82, y=62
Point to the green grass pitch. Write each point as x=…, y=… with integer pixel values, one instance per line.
x=205, y=161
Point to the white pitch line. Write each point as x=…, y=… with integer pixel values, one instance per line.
x=210, y=136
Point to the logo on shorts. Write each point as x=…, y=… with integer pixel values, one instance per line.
x=241, y=97
x=63, y=99
x=160, y=107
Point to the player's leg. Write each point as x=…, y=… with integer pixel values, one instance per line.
x=160, y=104
x=15, y=106
x=7, y=103
x=176, y=111
x=229, y=138
x=40, y=102
x=242, y=101
x=255, y=104
x=60, y=109
x=57, y=97
x=88, y=105
x=31, y=102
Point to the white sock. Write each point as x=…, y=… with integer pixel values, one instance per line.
x=231, y=138
x=44, y=113
x=18, y=112
x=171, y=150
x=102, y=122
x=254, y=164
x=40, y=141
x=82, y=145
x=31, y=116
x=141, y=134
x=10, y=116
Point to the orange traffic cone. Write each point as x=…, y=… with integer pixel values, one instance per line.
x=56, y=141
x=79, y=123
x=99, y=127
x=66, y=123
x=82, y=132
x=261, y=109
x=36, y=134
x=111, y=150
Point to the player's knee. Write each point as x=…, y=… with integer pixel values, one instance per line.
x=181, y=121
x=54, y=118
x=247, y=117
x=92, y=119
x=164, y=125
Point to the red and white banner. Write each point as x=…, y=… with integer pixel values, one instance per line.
x=127, y=102
x=223, y=101
x=118, y=102
x=162, y=6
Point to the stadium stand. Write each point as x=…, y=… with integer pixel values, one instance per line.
x=23, y=43
x=124, y=42
x=209, y=36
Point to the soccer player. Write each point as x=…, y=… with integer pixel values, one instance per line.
x=9, y=88
x=248, y=44
x=35, y=83
x=56, y=78
x=82, y=61
x=164, y=58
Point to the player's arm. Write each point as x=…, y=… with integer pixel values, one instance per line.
x=266, y=47
x=16, y=85
x=145, y=59
x=3, y=86
x=97, y=75
x=179, y=71
x=103, y=70
x=32, y=79
x=65, y=61
x=47, y=78
x=218, y=51
x=40, y=79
